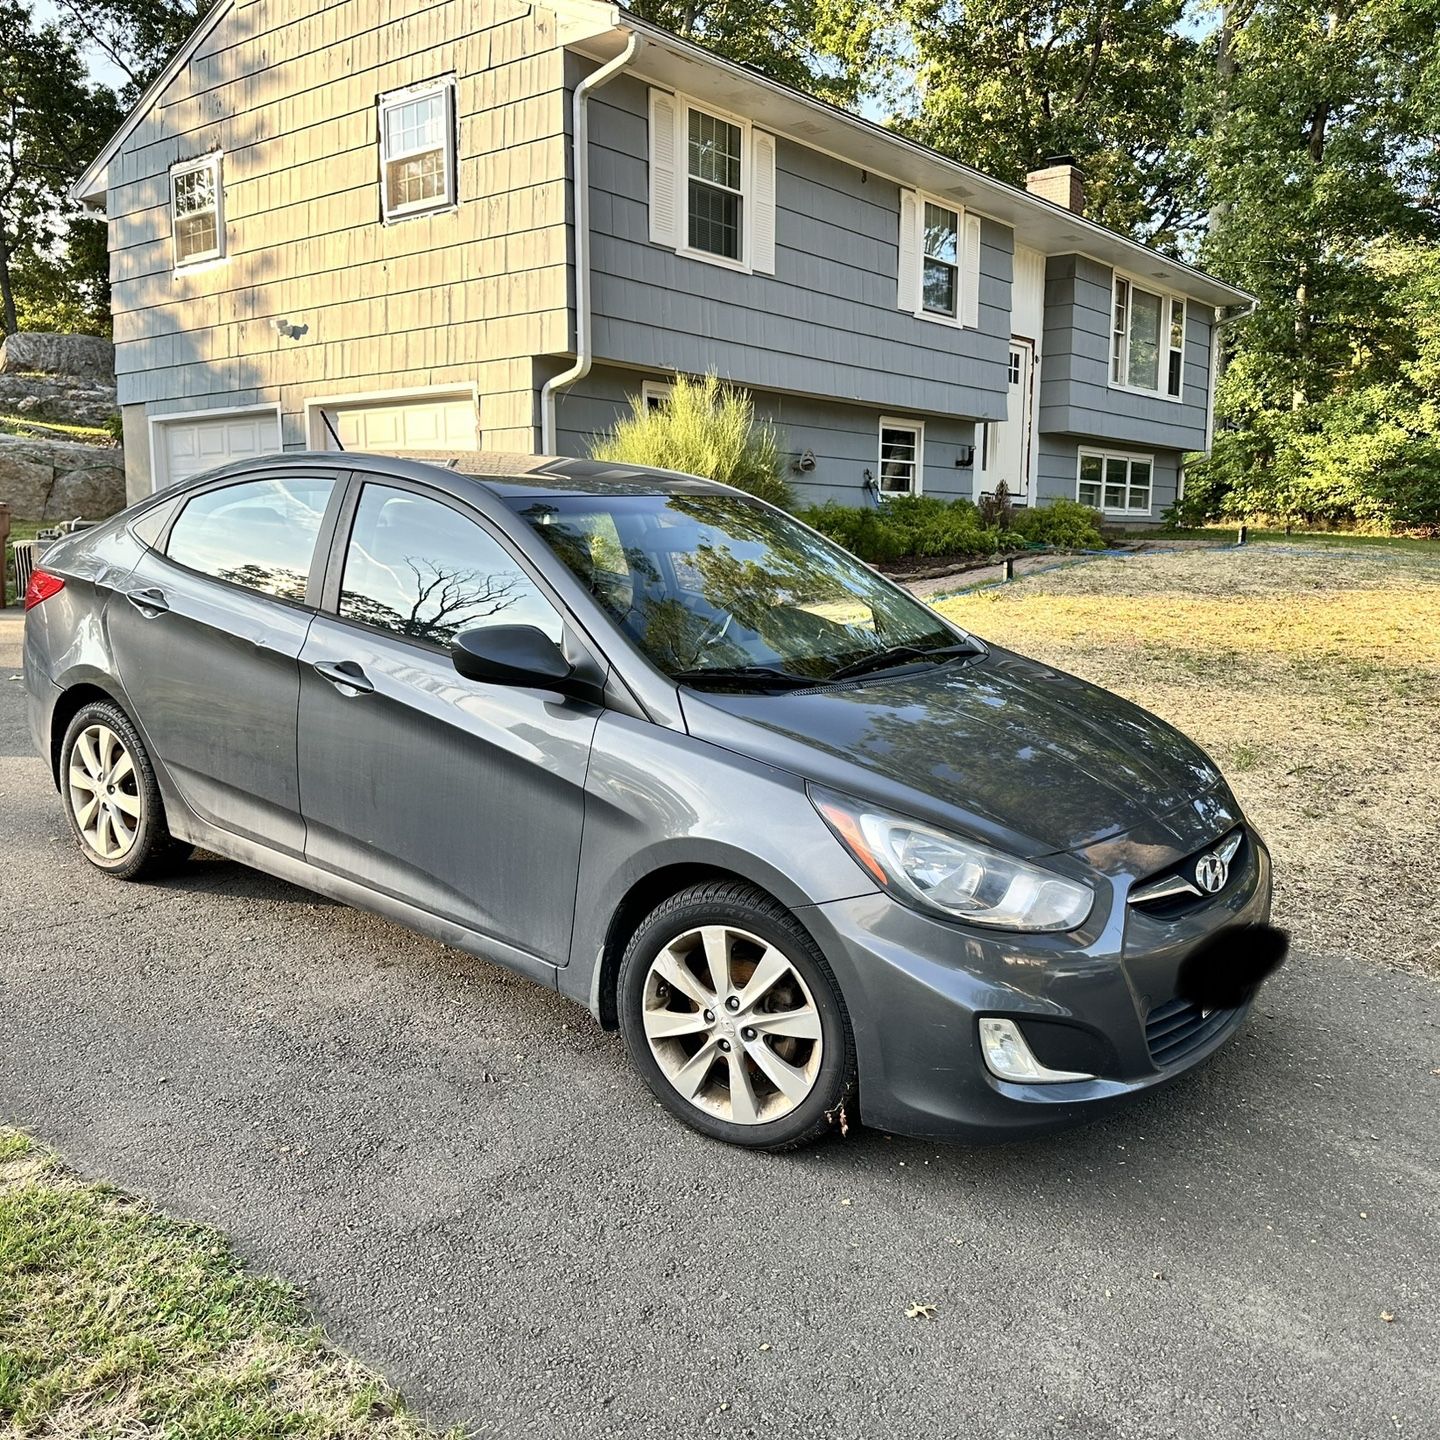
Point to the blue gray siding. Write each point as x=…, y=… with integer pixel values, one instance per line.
x=826, y=323
x=844, y=439
x=1076, y=397
x=1058, y=467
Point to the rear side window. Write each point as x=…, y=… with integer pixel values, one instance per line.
x=417, y=568
x=259, y=533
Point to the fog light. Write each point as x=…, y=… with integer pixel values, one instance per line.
x=1008, y=1056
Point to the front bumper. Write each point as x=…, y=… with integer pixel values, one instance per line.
x=915, y=988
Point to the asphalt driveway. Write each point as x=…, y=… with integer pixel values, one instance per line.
x=483, y=1201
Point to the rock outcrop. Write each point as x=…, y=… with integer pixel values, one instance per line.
x=81, y=357
x=57, y=480
x=57, y=397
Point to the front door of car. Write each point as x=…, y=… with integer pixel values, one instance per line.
x=465, y=799
x=206, y=634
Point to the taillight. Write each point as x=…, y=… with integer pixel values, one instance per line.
x=41, y=587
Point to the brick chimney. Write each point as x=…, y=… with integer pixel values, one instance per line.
x=1062, y=182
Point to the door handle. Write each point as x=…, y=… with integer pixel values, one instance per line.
x=150, y=602
x=345, y=675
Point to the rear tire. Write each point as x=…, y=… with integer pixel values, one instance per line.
x=107, y=785
x=735, y=1020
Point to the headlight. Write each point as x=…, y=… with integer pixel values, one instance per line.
x=958, y=878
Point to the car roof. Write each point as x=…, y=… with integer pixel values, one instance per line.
x=508, y=475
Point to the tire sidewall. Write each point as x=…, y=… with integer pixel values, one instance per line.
x=151, y=834
x=832, y=1093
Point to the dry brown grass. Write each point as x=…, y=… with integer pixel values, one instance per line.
x=1312, y=677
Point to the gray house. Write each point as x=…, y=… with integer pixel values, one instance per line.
x=487, y=224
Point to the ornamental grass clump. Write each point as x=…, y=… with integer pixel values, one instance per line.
x=706, y=427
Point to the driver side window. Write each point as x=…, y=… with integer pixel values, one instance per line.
x=419, y=569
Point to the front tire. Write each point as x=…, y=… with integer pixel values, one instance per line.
x=734, y=1019
x=111, y=799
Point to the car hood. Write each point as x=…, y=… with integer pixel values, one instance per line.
x=1000, y=744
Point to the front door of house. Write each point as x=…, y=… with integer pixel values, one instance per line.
x=1008, y=456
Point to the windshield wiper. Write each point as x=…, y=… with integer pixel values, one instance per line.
x=761, y=677
x=900, y=655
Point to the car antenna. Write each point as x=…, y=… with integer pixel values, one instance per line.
x=329, y=425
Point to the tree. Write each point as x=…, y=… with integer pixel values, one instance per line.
x=823, y=46
x=1004, y=85
x=137, y=36
x=51, y=119
x=1317, y=149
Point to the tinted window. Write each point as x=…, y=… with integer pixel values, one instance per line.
x=259, y=534
x=420, y=569
x=714, y=582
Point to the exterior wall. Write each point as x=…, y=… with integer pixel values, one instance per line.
x=825, y=324
x=1076, y=397
x=844, y=438
x=288, y=91
x=1058, y=471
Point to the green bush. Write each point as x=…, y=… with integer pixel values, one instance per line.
x=908, y=525
x=1061, y=524
x=707, y=427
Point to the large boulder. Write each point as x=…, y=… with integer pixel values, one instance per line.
x=57, y=480
x=34, y=352
x=57, y=397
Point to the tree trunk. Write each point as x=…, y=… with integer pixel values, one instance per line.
x=9, y=321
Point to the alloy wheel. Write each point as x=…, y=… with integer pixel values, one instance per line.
x=104, y=792
x=732, y=1024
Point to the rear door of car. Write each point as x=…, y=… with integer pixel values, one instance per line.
x=462, y=798
x=206, y=634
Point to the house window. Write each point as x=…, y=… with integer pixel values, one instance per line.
x=902, y=444
x=716, y=197
x=197, y=210
x=417, y=150
x=655, y=394
x=1175, y=374
x=1145, y=326
x=940, y=279
x=1116, y=484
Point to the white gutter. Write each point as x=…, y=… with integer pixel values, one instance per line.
x=584, y=354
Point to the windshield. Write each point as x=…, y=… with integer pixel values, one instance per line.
x=714, y=586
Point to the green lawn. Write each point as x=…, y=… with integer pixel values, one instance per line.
x=1227, y=533
x=117, y=1322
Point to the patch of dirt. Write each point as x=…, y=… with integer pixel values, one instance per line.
x=1313, y=679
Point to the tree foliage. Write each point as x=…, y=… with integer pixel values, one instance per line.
x=51, y=118
x=1005, y=85
x=824, y=46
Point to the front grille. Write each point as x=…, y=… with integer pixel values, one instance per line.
x=1178, y=1027
x=1172, y=893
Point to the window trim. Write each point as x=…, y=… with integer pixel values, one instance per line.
x=214, y=161
x=324, y=536
x=1130, y=457
x=746, y=263
x=444, y=86
x=945, y=317
x=1168, y=299
x=656, y=393
x=896, y=422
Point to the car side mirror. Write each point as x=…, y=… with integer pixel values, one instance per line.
x=510, y=655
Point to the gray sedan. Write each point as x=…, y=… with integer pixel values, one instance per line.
x=820, y=855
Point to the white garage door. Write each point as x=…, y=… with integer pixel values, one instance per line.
x=434, y=423
x=186, y=447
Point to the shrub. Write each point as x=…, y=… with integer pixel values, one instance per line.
x=908, y=525
x=1062, y=524
x=707, y=427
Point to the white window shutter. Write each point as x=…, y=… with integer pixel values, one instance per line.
x=909, y=287
x=970, y=274
x=762, y=202
x=664, y=168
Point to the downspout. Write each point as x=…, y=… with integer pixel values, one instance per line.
x=1224, y=315
x=583, y=351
